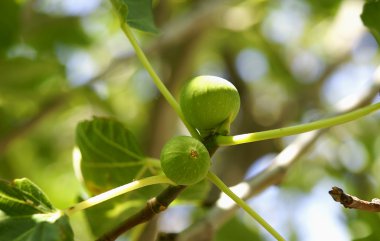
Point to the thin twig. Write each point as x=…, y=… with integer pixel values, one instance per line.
x=349, y=201
x=153, y=207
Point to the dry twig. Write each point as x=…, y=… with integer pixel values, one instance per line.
x=349, y=201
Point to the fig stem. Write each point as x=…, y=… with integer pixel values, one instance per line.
x=220, y=184
x=293, y=130
x=157, y=81
x=159, y=179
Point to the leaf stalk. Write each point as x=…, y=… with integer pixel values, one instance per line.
x=156, y=79
x=160, y=179
x=293, y=130
x=220, y=184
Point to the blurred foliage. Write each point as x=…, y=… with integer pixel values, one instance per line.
x=234, y=229
x=62, y=62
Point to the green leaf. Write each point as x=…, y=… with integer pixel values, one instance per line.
x=30, y=215
x=137, y=13
x=22, y=197
x=110, y=155
x=110, y=158
x=371, y=18
x=37, y=227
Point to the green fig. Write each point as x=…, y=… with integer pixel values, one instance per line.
x=185, y=160
x=210, y=104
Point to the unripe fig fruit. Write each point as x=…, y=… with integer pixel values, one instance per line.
x=185, y=160
x=210, y=104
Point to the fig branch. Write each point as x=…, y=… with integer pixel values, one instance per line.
x=293, y=130
x=153, y=207
x=349, y=201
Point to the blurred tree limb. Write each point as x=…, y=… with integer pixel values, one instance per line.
x=47, y=108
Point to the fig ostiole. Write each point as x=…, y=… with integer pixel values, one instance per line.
x=185, y=160
x=210, y=104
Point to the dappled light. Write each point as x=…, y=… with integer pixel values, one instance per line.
x=91, y=91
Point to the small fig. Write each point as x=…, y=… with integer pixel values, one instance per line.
x=210, y=104
x=185, y=160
